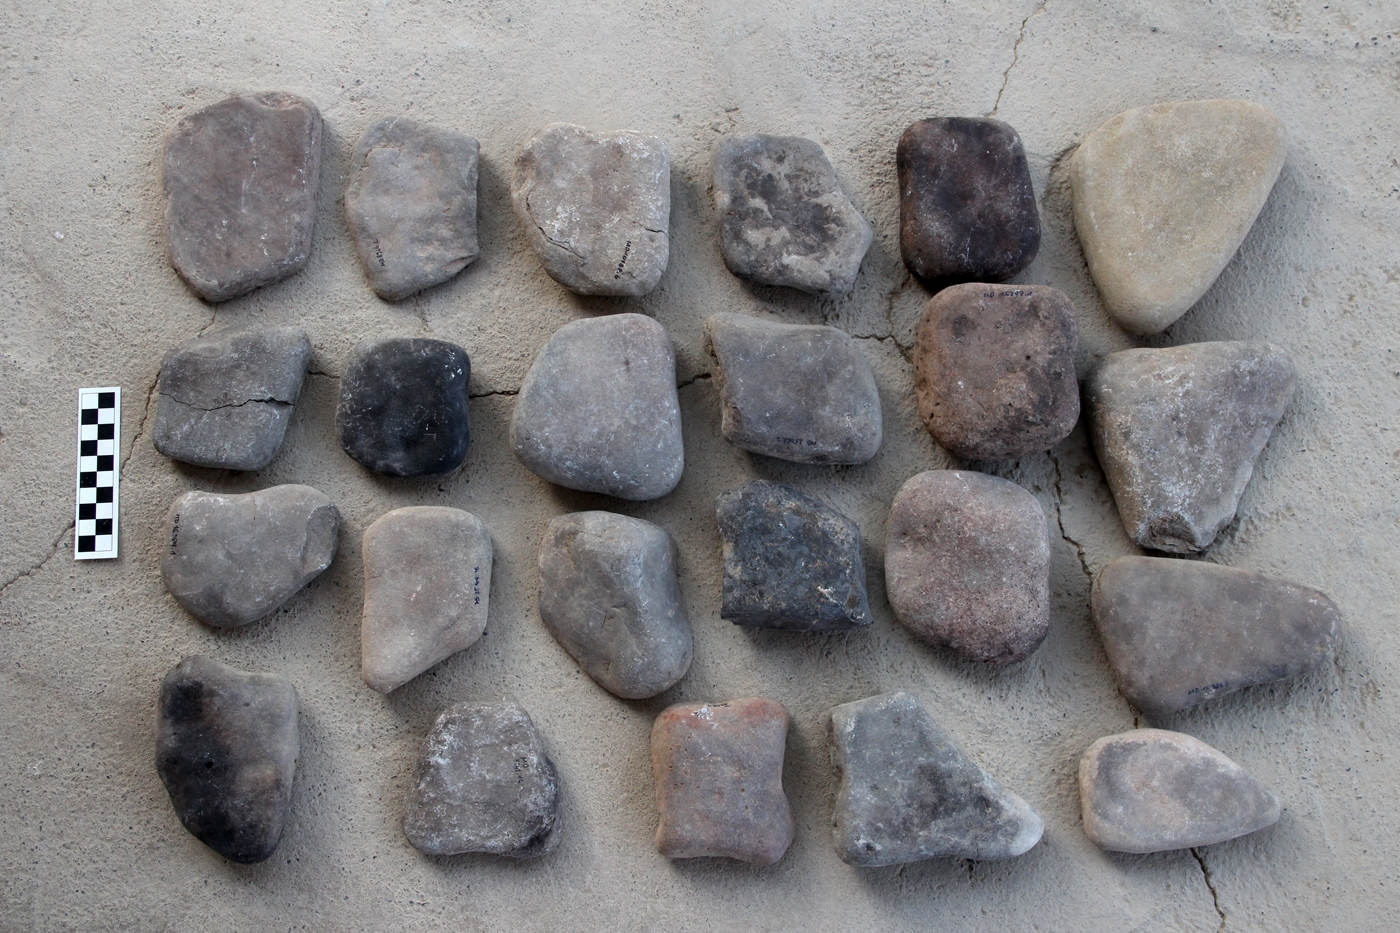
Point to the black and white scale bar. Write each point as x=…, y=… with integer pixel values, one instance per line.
x=99, y=439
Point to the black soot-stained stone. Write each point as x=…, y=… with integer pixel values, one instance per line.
x=226, y=752
x=403, y=406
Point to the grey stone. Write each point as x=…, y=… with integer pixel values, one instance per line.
x=1177, y=432
x=798, y=392
x=226, y=751
x=596, y=207
x=783, y=217
x=967, y=564
x=994, y=369
x=598, y=410
x=483, y=783
x=1180, y=632
x=790, y=561
x=226, y=399
x=610, y=593
x=719, y=780
x=904, y=791
x=411, y=205
x=1150, y=790
x=231, y=559
x=427, y=591
x=240, y=192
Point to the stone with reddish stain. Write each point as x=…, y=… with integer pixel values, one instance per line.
x=719, y=780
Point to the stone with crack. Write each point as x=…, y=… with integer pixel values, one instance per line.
x=232, y=559
x=798, y=392
x=596, y=207
x=905, y=792
x=226, y=399
x=240, y=183
x=610, y=594
x=1177, y=432
x=411, y=205
x=226, y=751
x=791, y=562
x=483, y=783
x=1150, y=790
x=783, y=217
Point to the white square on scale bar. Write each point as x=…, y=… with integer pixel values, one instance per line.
x=99, y=479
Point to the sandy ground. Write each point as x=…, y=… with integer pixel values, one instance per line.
x=88, y=840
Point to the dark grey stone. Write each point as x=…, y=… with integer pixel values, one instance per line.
x=1180, y=632
x=790, y=561
x=799, y=392
x=403, y=406
x=783, y=217
x=411, y=205
x=1150, y=790
x=483, y=783
x=232, y=559
x=904, y=792
x=226, y=399
x=240, y=192
x=1177, y=432
x=609, y=592
x=226, y=751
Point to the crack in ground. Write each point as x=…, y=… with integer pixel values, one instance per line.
x=496, y=392
x=1016, y=54
x=317, y=372
x=141, y=429
x=694, y=379
x=1210, y=883
x=1060, y=517
x=57, y=546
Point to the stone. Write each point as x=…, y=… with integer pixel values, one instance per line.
x=1150, y=790
x=226, y=399
x=1180, y=632
x=719, y=780
x=596, y=207
x=598, y=410
x=403, y=406
x=783, y=217
x=240, y=192
x=793, y=391
x=226, y=751
x=411, y=205
x=791, y=562
x=610, y=593
x=904, y=791
x=427, y=591
x=967, y=209
x=1163, y=197
x=233, y=558
x=994, y=369
x=483, y=783
x=1177, y=432
x=967, y=565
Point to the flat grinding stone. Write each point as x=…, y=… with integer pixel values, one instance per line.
x=904, y=792
x=783, y=217
x=403, y=406
x=226, y=751
x=966, y=206
x=798, y=392
x=790, y=561
x=483, y=783
x=967, y=564
x=1150, y=790
x=994, y=369
x=598, y=410
x=427, y=591
x=1177, y=432
x=611, y=595
x=1163, y=197
x=596, y=207
x=233, y=558
x=226, y=400
x=240, y=192
x=411, y=205
x=719, y=780
x=1180, y=632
